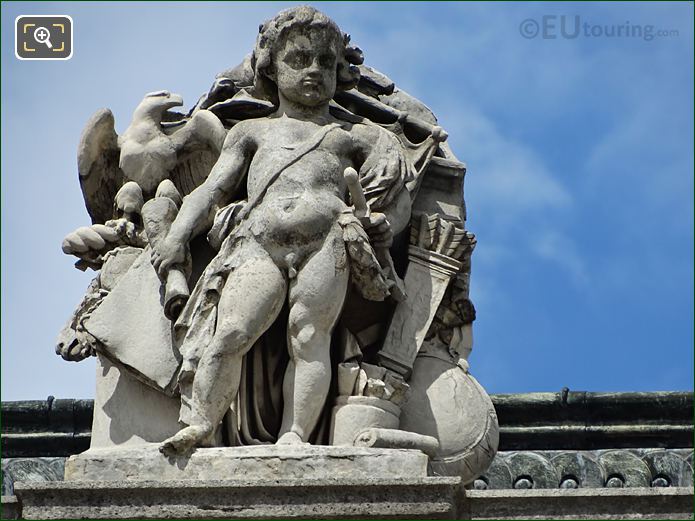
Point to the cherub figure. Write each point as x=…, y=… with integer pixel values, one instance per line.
x=295, y=239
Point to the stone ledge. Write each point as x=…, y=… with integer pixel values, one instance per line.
x=424, y=498
x=260, y=462
x=621, y=503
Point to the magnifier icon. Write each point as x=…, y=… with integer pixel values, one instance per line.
x=43, y=35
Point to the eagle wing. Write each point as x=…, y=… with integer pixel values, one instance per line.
x=198, y=145
x=193, y=166
x=97, y=164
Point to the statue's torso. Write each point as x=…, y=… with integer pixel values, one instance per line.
x=302, y=204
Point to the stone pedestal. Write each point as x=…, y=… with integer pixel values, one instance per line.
x=253, y=463
x=260, y=482
x=419, y=498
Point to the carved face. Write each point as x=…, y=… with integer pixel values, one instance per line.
x=305, y=66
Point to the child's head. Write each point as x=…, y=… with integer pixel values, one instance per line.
x=311, y=32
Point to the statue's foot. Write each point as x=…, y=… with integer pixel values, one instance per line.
x=290, y=438
x=185, y=440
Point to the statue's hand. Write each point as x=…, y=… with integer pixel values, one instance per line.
x=167, y=253
x=379, y=230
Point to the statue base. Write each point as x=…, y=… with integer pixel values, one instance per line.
x=260, y=462
x=424, y=498
x=277, y=498
x=256, y=482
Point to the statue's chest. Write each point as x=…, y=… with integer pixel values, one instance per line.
x=317, y=167
x=289, y=139
x=302, y=158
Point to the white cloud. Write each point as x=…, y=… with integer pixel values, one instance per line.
x=514, y=198
x=503, y=173
x=560, y=249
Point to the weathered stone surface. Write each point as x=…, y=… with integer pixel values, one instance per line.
x=428, y=498
x=133, y=330
x=578, y=470
x=10, y=507
x=447, y=403
x=354, y=414
x=497, y=476
x=396, y=438
x=30, y=469
x=638, y=503
x=426, y=281
x=530, y=470
x=262, y=462
x=668, y=469
x=613, y=468
x=441, y=189
x=624, y=469
x=121, y=403
x=423, y=498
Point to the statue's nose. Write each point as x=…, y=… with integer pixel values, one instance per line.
x=315, y=67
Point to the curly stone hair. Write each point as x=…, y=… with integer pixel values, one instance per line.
x=271, y=33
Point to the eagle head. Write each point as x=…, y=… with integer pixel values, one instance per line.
x=154, y=104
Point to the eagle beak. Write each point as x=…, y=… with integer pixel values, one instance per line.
x=174, y=100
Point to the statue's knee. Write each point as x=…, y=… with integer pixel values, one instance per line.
x=301, y=331
x=230, y=341
x=307, y=342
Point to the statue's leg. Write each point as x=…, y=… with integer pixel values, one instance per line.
x=316, y=298
x=250, y=302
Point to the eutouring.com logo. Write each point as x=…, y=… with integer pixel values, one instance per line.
x=553, y=27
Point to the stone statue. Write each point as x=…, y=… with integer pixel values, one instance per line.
x=287, y=263
x=287, y=242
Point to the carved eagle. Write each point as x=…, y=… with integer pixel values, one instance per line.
x=157, y=145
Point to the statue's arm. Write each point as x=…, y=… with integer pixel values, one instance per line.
x=223, y=181
x=197, y=209
x=370, y=154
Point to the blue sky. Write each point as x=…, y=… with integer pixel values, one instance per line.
x=579, y=184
